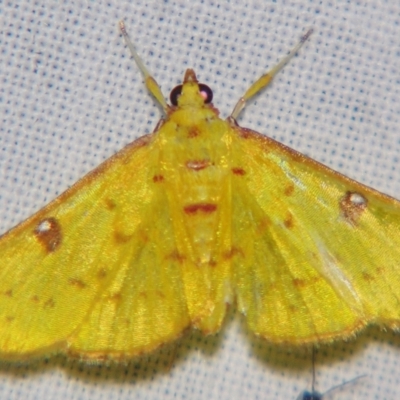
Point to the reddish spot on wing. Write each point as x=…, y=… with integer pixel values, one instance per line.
x=234, y=251
x=49, y=303
x=48, y=233
x=101, y=273
x=116, y=297
x=176, y=256
x=158, y=178
x=200, y=207
x=193, y=132
x=238, y=171
x=368, y=277
x=110, y=204
x=245, y=133
x=77, y=283
x=289, y=190
x=121, y=237
x=300, y=283
x=288, y=222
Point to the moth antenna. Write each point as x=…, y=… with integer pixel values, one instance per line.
x=150, y=82
x=265, y=79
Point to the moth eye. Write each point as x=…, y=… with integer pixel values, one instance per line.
x=205, y=91
x=175, y=93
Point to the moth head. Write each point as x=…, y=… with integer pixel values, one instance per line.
x=191, y=93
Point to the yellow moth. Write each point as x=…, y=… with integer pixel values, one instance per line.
x=179, y=224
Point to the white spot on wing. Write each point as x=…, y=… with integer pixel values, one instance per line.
x=357, y=199
x=44, y=226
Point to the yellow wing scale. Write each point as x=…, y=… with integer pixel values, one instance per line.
x=107, y=288
x=309, y=272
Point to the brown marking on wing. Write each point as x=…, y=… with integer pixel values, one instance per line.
x=299, y=283
x=49, y=303
x=234, y=251
x=288, y=222
x=35, y=298
x=8, y=293
x=121, y=237
x=110, y=204
x=212, y=263
x=176, y=256
x=302, y=283
x=381, y=270
x=238, y=171
x=116, y=297
x=244, y=133
x=77, y=283
x=352, y=205
x=101, y=273
x=368, y=277
x=293, y=308
x=193, y=132
x=263, y=225
x=48, y=233
x=206, y=208
x=289, y=189
x=158, y=178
